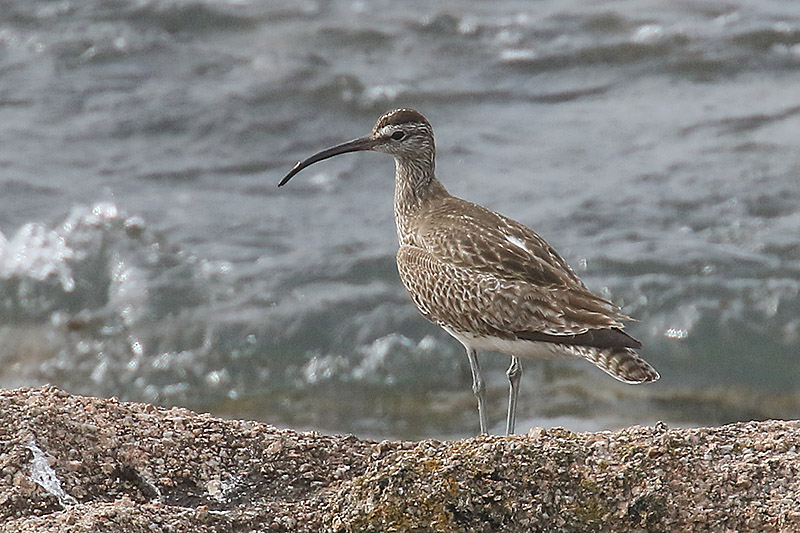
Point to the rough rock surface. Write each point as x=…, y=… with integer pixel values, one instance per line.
x=77, y=464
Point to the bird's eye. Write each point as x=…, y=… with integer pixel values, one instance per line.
x=398, y=135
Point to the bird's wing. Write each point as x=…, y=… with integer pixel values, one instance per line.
x=471, y=236
x=515, y=283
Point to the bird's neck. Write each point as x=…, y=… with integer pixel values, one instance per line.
x=415, y=186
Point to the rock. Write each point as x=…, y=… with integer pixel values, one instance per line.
x=77, y=464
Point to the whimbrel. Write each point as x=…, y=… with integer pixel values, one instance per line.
x=487, y=280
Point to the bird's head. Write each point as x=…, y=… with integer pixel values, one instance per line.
x=402, y=133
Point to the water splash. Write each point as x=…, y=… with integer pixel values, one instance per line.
x=37, y=253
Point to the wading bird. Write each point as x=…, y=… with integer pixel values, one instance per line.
x=487, y=280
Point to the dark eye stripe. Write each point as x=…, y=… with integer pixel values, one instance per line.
x=398, y=135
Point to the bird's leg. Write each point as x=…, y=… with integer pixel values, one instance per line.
x=479, y=388
x=514, y=374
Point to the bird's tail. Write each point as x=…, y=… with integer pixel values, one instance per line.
x=623, y=364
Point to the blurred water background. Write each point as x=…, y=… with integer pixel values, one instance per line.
x=146, y=252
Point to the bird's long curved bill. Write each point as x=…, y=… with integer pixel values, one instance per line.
x=356, y=145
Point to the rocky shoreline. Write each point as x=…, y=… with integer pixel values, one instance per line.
x=77, y=464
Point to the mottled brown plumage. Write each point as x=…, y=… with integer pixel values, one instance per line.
x=489, y=281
